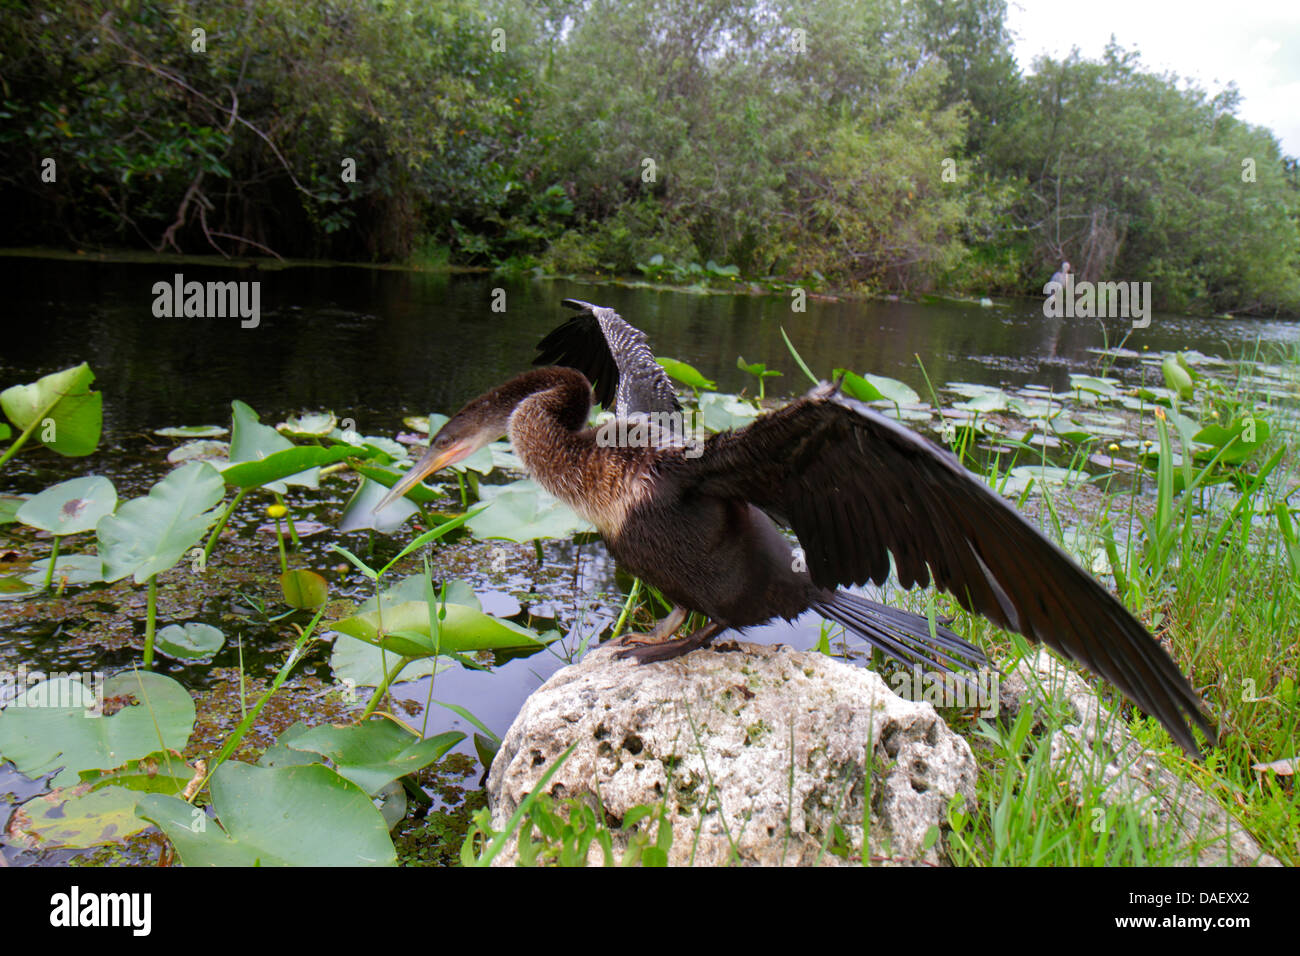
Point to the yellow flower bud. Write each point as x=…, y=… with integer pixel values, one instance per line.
x=276, y=511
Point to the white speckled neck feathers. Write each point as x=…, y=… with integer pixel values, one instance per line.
x=600, y=483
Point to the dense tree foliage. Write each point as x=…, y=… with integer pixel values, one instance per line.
x=869, y=144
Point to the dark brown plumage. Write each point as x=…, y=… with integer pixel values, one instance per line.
x=854, y=487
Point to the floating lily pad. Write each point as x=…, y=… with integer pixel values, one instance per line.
x=721, y=412
x=191, y=641
x=359, y=664
x=193, y=431
x=70, y=507
x=77, y=818
x=1106, y=387
x=275, y=817
x=217, y=452
x=995, y=401
x=14, y=588
x=1019, y=478
x=41, y=739
x=9, y=505
x=308, y=425
x=908, y=413
x=69, y=568
x=523, y=511
x=1032, y=407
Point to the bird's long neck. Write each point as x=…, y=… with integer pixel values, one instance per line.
x=548, y=431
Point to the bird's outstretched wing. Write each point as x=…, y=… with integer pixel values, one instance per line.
x=855, y=486
x=614, y=357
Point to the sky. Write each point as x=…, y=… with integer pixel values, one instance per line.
x=1254, y=43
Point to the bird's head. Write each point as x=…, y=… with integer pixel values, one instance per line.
x=482, y=421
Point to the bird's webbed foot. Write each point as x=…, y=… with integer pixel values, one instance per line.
x=661, y=632
x=667, y=650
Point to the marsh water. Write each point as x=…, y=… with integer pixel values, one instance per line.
x=376, y=345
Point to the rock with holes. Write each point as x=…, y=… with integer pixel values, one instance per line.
x=1106, y=769
x=761, y=755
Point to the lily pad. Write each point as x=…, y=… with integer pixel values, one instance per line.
x=41, y=739
x=463, y=629
x=251, y=441
x=1105, y=387
x=304, y=589
x=9, y=505
x=69, y=568
x=193, y=431
x=523, y=511
x=190, y=641
x=359, y=513
x=70, y=507
x=996, y=401
x=1019, y=478
x=359, y=664
x=722, y=412
x=411, y=588
x=308, y=425
x=217, y=452
x=275, y=817
x=371, y=754
x=892, y=389
x=684, y=373
x=286, y=465
x=77, y=818
x=150, y=534
x=63, y=400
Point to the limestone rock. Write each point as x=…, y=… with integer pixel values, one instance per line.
x=758, y=751
x=1095, y=750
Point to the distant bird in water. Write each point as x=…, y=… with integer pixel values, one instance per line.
x=1059, y=276
x=699, y=523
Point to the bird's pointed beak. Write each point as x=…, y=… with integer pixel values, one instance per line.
x=432, y=461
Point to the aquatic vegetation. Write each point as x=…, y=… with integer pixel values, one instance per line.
x=62, y=406
x=1181, y=492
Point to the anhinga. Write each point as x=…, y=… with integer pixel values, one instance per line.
x=854, y=486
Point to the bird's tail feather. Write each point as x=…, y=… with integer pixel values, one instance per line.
x=900, y=634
